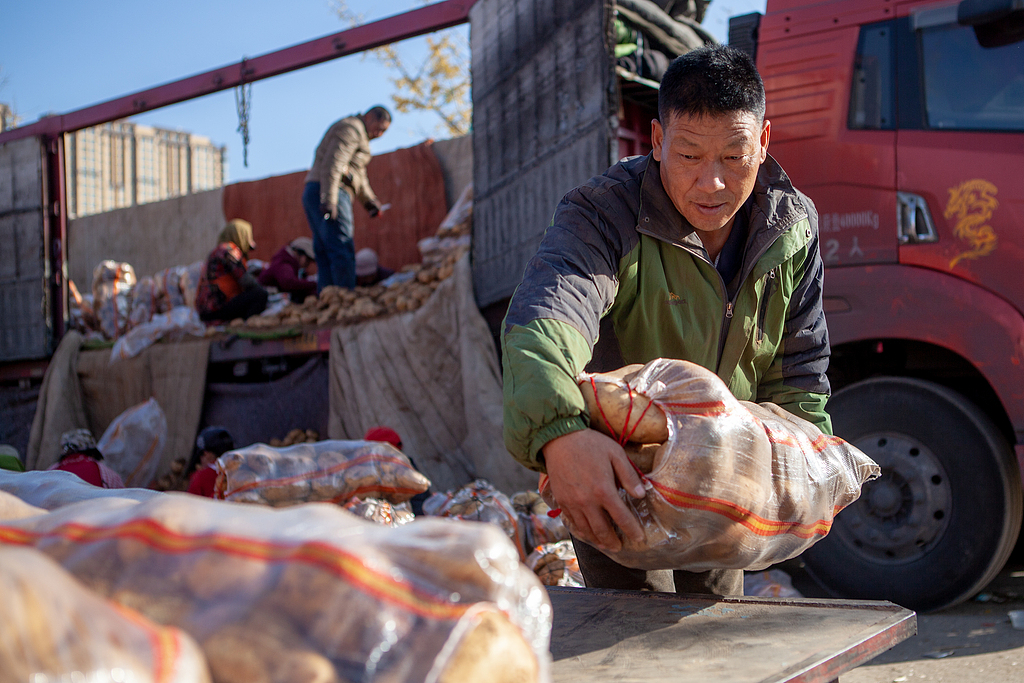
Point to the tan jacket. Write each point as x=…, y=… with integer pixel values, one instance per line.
x=345, y=149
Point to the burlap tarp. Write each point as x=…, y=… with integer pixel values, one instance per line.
x=84, y=389
x=433, y=376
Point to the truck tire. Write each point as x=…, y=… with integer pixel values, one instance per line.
x=940, y=522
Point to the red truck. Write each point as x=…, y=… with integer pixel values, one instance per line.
x=904, y=122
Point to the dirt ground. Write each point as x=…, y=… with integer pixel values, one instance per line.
x=972, y=642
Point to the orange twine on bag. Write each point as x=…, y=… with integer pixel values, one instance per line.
x=624, y=437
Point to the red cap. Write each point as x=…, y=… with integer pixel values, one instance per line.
x=386, y=434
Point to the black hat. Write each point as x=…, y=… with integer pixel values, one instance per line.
x=217, y=440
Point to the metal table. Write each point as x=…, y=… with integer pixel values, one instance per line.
x=606, y=635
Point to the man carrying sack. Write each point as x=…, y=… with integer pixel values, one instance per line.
x=701, y=251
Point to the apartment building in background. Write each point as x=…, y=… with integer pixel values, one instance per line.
x=121, y=164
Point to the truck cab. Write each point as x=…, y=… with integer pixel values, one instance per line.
x=904, y=123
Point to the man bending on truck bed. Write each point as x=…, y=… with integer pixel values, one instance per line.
x=703, y=251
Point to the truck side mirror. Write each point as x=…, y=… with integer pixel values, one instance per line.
x=996, y=22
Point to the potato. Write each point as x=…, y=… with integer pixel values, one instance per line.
x=618, y=410
x=644, y=455
x=494, y=651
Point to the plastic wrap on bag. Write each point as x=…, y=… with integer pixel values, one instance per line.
x=737, y=485
x=161, y=302
x=12, y=507
x=555, y=564
x=112, y=284
x=310, y=592
x=134, y=442
x=536, y=526
x=381, y=511
x=143, y=302
x=190, y=282
x=82, y=317
x=478, y=501
x=333, y=471
x=55, y=629
x=459, y=220
x=54, y=489
x=180, y=322
x=169, y=286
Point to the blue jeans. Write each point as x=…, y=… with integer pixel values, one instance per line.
x=332, y=239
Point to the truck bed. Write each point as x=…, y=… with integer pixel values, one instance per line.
x=606, y=635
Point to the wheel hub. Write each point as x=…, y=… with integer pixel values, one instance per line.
x=904, y=512
x=885, y=498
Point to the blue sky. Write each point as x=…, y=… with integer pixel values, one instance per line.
x=60, y=55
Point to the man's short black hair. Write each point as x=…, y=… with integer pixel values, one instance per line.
x=378, y=113
x=711, y=81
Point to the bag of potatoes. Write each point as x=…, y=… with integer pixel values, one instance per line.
x=51, y=489
x=537, y=525
x=381, y=511
x=730, y=484
x=334, y=471
x=478, y=501
x=555, y=564
x=55, y=629
x=311, y=592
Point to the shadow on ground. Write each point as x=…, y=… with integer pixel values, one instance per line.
x=977, y=626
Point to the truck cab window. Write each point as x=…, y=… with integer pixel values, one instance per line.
x=969, y=87
x=872, y=94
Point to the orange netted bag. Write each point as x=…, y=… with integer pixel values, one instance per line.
x=736, y=485
x=328, y=471
x=56, y=629
x=309, y=592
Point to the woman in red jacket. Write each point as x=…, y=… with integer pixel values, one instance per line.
x=211, y=443
x=226, y=289
x=79, y=455
x=285, y=268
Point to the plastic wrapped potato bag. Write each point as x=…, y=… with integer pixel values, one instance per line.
x=537, y=526
x=555, y=564
x=52, y=489
x=134, y=442
x=478, y=501
x=112, y=284
x=329, y=471
x=309, y=593
x=55, y=629
x=381, y=511
x=736, y=485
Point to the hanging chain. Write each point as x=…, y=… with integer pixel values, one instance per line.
x=243, y=101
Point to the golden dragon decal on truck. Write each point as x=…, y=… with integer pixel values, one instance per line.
x=971, y=204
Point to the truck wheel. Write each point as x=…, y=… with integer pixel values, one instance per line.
x=940, y=522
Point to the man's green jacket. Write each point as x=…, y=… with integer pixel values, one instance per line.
x=621, y=263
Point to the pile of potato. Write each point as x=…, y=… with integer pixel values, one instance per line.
x=296, y=436
x=175, y=479
x=337, y=305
